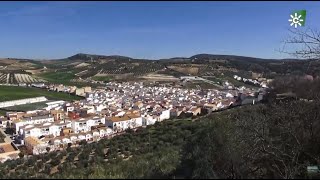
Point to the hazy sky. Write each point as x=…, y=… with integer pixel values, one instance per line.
x=147, y=29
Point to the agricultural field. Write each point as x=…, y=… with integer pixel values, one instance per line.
x=15, y=78
x=2, y=112
x=26, y=78
x=8, y=93
x=27, y=107
x=58, y=77
x=102, y=78
x=135, y=68
x=4, y=78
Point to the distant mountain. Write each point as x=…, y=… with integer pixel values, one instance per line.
x=228, y=57
x=87, y=57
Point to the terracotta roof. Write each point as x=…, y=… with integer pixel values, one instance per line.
x=117, y=119
x=6, y=147
x=131, y=116
x=33, y=140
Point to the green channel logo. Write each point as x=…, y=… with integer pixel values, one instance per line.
x=298, y=18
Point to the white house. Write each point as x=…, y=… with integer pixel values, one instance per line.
x=73, y=138
x=54, y=104
x=165, y=115
x=32, y=120
x=81, y=136
x=149, y=120
x=54, y=130
x=30, y=130
x=122, y=123
x=69, y=108
x=100, y=107
x=48, y=128
x=79, y=125
x=85, y=124
x=65, y=140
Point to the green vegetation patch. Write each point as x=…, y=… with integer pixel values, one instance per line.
x=2, y=112
x=8, y=93
x=102, y=78
x=58, y=77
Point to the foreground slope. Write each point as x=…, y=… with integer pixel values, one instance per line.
x=273, y=140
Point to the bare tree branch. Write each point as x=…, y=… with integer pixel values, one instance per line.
x=309, y=39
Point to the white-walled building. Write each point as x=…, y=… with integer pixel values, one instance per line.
x=165, y=115
x=85, y=124
x=148, y=120
x=54, y=104
x=122, y=123
x=37, y=130
x=32, y=120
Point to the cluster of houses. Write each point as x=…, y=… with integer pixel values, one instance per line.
x=110, y=111
x=262, y=82
x=63, y=88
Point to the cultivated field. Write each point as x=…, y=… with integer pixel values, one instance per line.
x=4, y=78
x=26, y=78
x=8, y=93
x=15, y=78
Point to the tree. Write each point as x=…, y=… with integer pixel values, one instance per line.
x=55, y=162
x=308, y=42
x=83, y=142
x=21, y=155
x=48, y=149
x=31, y=161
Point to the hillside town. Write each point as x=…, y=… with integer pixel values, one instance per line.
x=109, y=111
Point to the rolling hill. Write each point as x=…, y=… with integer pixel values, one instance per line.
x=91, y=66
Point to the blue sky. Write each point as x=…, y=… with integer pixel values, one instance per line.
x=147, y=29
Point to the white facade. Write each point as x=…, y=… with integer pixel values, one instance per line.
x=149, y=120
x=43, y=129
x=165, y=115
x=100, y=107
x=84, y=125
x=33, y=120
x=124, y=124
x=79, y=126
x=70, y=108
x=54, y=130
x=31, y=131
